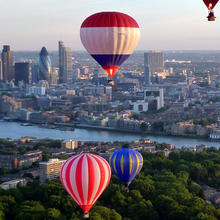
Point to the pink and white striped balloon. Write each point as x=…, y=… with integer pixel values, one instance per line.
x=85, y=177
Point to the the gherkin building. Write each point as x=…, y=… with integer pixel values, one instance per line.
x=44, y=65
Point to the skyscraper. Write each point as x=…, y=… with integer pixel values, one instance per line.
x=65, y=64
x=153, y=62
x=34, y=72
x=22, y=73
x=44, y=65
x=7, y=64
x=1, y=77
x=147, y=75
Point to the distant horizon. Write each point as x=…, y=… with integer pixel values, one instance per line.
x=164, y=25
x=136, y=51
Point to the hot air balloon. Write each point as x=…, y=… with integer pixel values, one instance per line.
x=85, y=177
x=210, y=4
x=110, y=38
x=126, y=164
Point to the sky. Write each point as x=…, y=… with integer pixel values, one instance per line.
x=165, y=24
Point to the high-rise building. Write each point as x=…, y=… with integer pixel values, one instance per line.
x=153, y=62
x=7, y=63
x=65, y=64
x=51, y=169
x=54, y=76
x=34, y=72
x=147, y=75
x=44, y=65
x=1, y=76
x=22, y=73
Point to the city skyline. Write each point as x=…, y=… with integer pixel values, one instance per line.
x=164, y=25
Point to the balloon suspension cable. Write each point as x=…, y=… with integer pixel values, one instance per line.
x=86, y=215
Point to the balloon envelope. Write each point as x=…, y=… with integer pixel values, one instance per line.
x=110, y=38
x=85, y=177
x=126, y=164
x=210, y=4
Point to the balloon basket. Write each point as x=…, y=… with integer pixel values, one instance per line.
x=211, y=16
x=86, y=215
x=126, y=189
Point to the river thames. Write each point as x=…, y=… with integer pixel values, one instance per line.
x=16, y=130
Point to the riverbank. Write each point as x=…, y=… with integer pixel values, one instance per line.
x=16, y=130
x=86, y=126
x=72, y=126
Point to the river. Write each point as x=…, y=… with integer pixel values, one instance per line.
x=16, y=130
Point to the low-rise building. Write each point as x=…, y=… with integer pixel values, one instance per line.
x=140, y=106
x=37, y=91
x=182, y=128
x=13, y=183
x=17, y=161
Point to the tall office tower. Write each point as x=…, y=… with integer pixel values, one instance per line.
x=34, y=72
x=153, y=62
x=1, y=76
x=147, y=75
x=44, y=65
x=7, y=64
x=22, y=73
x=54, y=76
x=65, y=64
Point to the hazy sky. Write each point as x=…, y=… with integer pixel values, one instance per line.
x=165, y=24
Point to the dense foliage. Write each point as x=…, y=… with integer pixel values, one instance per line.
x=167, y=188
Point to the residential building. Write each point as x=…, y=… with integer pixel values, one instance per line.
x=17, y=161
x=9, y=105
x=7, y=161
x=71, y=144
x=13, y=184
x=36, y=90
x=50, y=170
x=27, y=159
x=7, y=64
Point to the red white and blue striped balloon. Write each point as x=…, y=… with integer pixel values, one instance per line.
x=110, y=38
x=85, y=177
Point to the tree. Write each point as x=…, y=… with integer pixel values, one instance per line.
x=53, y=214
x=143, y=126
x=203, y=216
x=175, y=156
x=30, y=210
x=101, y=212
x=198, y=172
x=195, y=188
x=196, y=205
x=145, y=210
x=158, y=126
